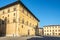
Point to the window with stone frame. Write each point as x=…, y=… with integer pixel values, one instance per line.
x=14, y=9
x=8, y=10
x=14, y=20
x=3, y=12
x=23, y=21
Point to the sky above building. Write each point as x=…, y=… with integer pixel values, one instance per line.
x=47, y=11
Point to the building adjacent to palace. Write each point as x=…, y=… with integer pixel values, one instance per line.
x=41, y=31
x=17, y=20
x=52, y=30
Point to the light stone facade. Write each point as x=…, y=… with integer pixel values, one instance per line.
x=41, y=31
x=17, y=20
x=52, y=30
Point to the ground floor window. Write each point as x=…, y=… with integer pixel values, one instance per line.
x=59, y=33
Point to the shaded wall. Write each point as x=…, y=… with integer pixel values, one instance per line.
x=2, y=27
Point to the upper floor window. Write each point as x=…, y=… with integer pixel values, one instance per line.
x=47, y=30
x=50, y=30
x=8, y=15
x=22, y=26
x=23, y=20
x=53, y=30
x=3, y=17
x=30, y=24
x=14, y=20
x=27, y=22
x=14, y=14
x=14, y=9
x=23, y=10
x=59, y=30
x=56, y=30
x=8, y=10
x=3, y=12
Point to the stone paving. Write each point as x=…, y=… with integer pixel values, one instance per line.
x=30, y=38
x=17, y=38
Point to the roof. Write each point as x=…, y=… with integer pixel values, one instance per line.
x=19, y=2
x=51, y=25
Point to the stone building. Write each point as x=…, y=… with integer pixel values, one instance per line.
x=17, y=20
x=52, y=30
x=41, y=31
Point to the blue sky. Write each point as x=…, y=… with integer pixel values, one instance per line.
x=47, y=11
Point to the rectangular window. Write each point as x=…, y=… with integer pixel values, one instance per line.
x=14, y=9
x=59, y=30
x=3, y=12
x=23, y=20
x=59, y=33
x=55, y=30
x=8, y=10
x=14, y=14
x=22, y=26
x=27, y=22
x=14, y=20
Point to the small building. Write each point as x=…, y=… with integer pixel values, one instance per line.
x=41, y=31
x=52, y=30
x=17, y=20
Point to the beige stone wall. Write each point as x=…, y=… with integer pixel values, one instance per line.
x=52, y=30
x=32, y=22
x=14, y=25
x=41, y=31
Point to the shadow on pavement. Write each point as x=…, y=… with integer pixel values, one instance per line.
x=35, y=38
x=44, y=38
x=51, y=38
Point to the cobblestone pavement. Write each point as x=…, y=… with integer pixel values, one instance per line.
x=30, y=38
x=18, y=38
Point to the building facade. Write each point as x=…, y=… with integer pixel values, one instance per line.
x=41, y=31
x=52, y=30
x=17, y=20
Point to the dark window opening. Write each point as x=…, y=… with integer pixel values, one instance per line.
x=14, y=9
x=22, y=26
x=8, y=10
x=23, y=21
x=14, y=20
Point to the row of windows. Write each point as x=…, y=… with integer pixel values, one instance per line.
x=7, y=21
x=51, y=27
x=23, y=27
x=8, y=11
x=8, y=15
x=28, y=14
x=52, y=30
x=20, y=21
x=52, y=33
x=27, y=23
x=22, y=11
